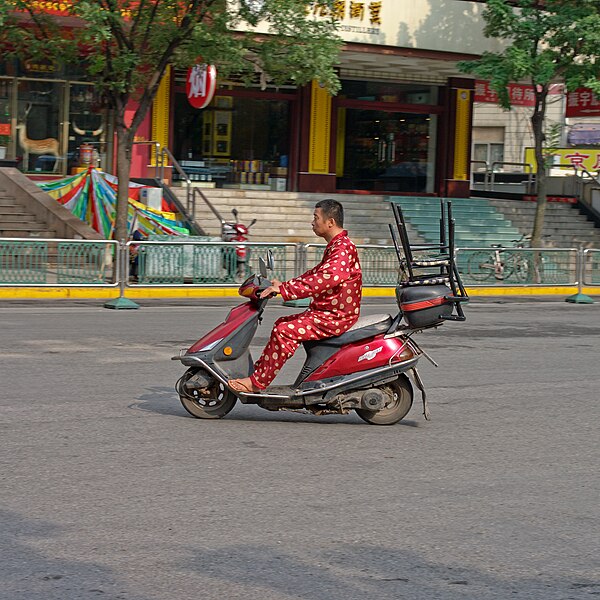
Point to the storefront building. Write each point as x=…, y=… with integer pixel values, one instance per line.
x=401, y=123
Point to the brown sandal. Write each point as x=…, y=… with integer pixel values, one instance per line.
x=238, y=386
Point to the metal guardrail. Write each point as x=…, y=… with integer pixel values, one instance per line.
x=379, y=264
x=591, y=267
x=59, y=262
x=176, y=263
x=485, y=266
x=106, y=263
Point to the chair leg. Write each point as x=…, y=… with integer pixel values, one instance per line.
x=401, y=223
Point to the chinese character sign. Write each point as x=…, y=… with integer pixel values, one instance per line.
x=571, y=158
x=200, y=85
x=353, y=13
x=520, y=95
x=582, y=103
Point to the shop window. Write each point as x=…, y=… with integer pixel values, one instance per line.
x=6, y=132
x=488, y=153
x=38, y=135
x=385, y=151
x=87, y=130
x=235, y=142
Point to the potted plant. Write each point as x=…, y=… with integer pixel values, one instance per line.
x=4, y=139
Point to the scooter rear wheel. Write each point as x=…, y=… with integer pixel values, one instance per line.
x=400, y=394
x=215, y=405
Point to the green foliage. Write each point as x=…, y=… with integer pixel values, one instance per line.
x=4, y=140
x=560, y=42
x=125, y=45
x=545, y=42
x=552, y=143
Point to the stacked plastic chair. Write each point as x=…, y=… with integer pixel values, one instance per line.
x=430, y=264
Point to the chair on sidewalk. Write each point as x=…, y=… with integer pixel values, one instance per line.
x=430, y=264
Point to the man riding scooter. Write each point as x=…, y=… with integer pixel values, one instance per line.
x=335, y=285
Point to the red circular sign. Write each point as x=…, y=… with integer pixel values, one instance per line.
x=200, y=85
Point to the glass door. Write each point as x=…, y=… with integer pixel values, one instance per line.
x=385, y=151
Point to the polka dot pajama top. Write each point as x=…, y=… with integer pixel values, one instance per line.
x=335, y=285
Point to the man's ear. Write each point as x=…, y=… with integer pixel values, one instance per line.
x=331, y=223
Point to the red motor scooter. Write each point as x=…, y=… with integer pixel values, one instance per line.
x=366, y=369
x=235, y=262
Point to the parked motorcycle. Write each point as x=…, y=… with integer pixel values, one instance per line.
x=366, y=369
x=236, y=260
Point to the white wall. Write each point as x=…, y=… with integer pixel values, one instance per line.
x=517, y=125
x=442, y=25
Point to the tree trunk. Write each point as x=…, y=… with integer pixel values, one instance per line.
x=123, y=174
x=537, y=122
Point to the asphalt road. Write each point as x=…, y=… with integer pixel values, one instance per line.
x=108, y=489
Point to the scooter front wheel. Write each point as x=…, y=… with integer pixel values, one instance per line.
x=215, y=403
x=400, y=398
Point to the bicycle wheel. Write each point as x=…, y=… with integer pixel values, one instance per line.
x=508, y=266
x=480, y=265
x=521, y=266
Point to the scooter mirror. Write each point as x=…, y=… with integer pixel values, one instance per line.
x=252, y=222
x=270, y=261
x=234, y=212
x=262, y=267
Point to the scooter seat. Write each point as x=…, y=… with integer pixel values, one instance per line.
x=318, y=351
x=365, y=327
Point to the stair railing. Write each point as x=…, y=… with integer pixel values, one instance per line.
x=486, y=173
x=166, y=156
x=199, y=192
x=530, y=186
x=584, y=171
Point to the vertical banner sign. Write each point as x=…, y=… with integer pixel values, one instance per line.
x=200, y=85
x=461, y=134
x=160, y=113
x=320, y=130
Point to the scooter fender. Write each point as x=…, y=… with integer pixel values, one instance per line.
x=364, y=356
x=236, y=332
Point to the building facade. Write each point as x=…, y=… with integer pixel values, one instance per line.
x=401, y=123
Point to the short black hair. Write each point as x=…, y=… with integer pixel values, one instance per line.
x=332, y=209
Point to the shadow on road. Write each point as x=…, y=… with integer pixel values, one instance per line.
x=31, y=574
x=164, y=401
x=369, y=571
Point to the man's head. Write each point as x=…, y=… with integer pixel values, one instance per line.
x=328, y=218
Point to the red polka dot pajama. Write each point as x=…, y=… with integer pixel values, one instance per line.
x=335, y=285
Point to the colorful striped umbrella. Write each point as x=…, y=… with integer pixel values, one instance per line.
x=92, y=197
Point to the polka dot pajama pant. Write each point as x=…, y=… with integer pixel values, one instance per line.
x=288, y=332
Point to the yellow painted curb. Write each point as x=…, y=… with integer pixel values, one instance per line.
x=50, y=293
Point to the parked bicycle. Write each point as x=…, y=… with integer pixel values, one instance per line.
x=500, y=262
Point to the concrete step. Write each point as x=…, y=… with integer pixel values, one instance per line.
x=287, y=216
x=7, y=201
x=12, y=209
x=17, y=217
x=550, y=218
x=25, y=233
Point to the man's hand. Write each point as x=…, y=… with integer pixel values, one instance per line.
x=272, y=290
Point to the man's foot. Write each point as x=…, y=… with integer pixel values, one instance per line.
x=244, y=385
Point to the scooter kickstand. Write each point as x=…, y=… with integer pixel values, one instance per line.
x=419, y=382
